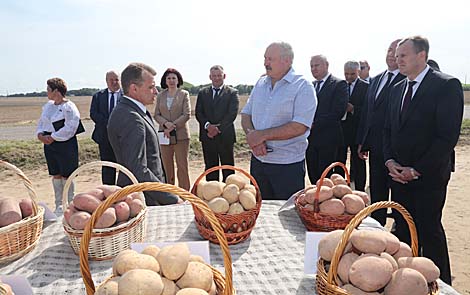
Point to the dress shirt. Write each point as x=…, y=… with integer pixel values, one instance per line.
x=220, y=90
x=384, y=80
x=418, y=81
x=292, y=99
x=117, y=94
x=53, y=113
x=323, y=81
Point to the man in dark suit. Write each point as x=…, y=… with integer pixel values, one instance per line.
x=421, y=130
x=102, y=103
x=357, y=89
x=326, y=135
x=133, y=135
x=370, y=131
x=216, y=109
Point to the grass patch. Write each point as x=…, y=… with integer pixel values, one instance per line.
x=29, y=154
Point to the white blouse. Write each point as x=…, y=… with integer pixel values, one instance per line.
x=53, y=113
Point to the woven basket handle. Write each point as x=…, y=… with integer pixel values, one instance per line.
x=316, y=202
x=227, y=167
x=333, y=272
x=27, y=183
x=95, y=164
x=153, y=186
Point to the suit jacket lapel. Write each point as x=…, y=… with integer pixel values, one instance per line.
x=105, y=103
x=381, y=96
x=143, y=114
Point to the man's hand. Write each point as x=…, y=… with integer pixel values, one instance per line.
x=259, y=150
x=394, y=170
x=350, y=108
x=212, y=131
x=363, y=155
x=409, y=174
x=254, y=138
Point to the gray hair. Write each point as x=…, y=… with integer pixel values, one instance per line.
x=322, y=57
x=217, y=67
x=352, y=65
x=133, y=74
x=286, y=49
x=111, y=72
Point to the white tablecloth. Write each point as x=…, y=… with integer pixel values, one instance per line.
x=270, y=262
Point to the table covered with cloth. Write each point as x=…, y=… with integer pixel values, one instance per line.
x=271, y=261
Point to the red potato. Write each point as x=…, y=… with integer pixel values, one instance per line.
x=78, y=220
x=10, y=212
x=136, y=206
x=97, y=193
x=70, y=210
x=107, y=219
x=108, y=190
x=122, y=211
x=86, y=202
x=26, y=207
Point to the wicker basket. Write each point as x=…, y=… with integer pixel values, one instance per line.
x=224, y=284
x=327, y=283
x=245, y=220
x=316, y=220
x=108, y=242
x=21, y=237
x=3, y=291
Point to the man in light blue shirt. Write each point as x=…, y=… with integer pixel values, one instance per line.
x=277, y=120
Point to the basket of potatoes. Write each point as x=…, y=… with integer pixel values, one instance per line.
x=236, y=203
x=373, y=261
x=170, y=269
x=21, y=220
x=331, y=203
x=123, y=222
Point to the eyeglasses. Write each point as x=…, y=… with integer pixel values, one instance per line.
x=363, y=67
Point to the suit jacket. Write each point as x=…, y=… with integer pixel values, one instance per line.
x=99, y=113
x=179, y=113
x=424, y=136
x=134, y=140
x=370, y=130
x=222, y=110
x=332, y=101
x=358, y=100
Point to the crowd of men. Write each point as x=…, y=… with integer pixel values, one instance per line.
x=405, y=121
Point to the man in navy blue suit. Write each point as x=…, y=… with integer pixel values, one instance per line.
x=102, y=105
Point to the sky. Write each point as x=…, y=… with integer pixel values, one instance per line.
x=79, y=40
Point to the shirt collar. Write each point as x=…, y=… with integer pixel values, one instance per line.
x=138, y=103
x=220, y=88
x=289, y=77
x=421, y=75
x=325, y=78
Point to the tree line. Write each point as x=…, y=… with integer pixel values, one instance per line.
x=243, y=89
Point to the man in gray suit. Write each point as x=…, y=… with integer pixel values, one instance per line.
x=132, y=133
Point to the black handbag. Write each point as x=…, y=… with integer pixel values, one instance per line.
x=60, y=124
x=173, y=139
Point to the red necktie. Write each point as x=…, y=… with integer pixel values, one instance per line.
x=408, y=95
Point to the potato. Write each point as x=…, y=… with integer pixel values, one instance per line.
x=404, y=251
x=326, y=182
x=196, y=258
x=369, y=241
x=169, y=287
x=151, y=250
x=247, y=199
x=79, y=219
x=356, y=291
x=197, y=275
x=132, y=261
x=137, y=196
x=219, y=205
x=365, y=197
x=107, y=219
x=309, y=207
x=352, y=203
x=213, y=289
x=118, y=261
x=200, y=190
x=406, y=281
x=370, y=273
x=422, y=264
x=109, y=288
x=212, y=189
x=97, y=193
x=70, y=210
x=141, y=282
x=390, y=259
x=135, y=207
x=332, y=206
x=26, y=207
x=191, y=291
x=231, y=193
x=326, y=193
x=235, y=208
x=393, y=244
x=123, y=211
x=86, y=202
x=341, y=190
x=239, y=180
x=10, y=211
x=174, y=260
x=301, y=199
x=108, y=190
x=345, y=264
x=327, y=244
x=338, y=179
x=251, y=188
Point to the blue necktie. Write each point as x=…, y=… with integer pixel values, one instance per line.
x=111, y=103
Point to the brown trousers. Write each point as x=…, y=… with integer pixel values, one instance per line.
x=180, y=151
